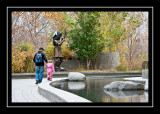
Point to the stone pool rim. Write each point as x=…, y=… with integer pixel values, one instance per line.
x=57, y=95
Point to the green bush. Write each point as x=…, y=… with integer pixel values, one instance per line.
x=49, y=51
x=25, y=46
x=122, y=68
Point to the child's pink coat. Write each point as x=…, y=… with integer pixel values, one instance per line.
x=50, y=67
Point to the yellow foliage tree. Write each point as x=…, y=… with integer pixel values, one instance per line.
x=22, y=58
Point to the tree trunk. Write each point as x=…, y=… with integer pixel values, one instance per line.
x=88, y=63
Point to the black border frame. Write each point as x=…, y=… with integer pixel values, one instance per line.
x=9, y=9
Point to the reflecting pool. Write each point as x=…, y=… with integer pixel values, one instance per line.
x=92, y=89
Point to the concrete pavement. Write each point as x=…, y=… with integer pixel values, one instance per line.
x=25, y=90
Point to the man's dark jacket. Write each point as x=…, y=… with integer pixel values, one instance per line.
x=43, y=58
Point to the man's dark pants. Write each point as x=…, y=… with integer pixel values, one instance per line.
x=39, y=73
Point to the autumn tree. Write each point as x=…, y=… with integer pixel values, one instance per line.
x=36, y=27
x=133, y=43
x=122, y=34
x=29, y=27
x=132, y=48
x=113, y=28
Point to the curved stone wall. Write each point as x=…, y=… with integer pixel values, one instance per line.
x=107, y=60
x=102, y=61
x=70, y=64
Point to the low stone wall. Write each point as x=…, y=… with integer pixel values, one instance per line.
x=70, y=64
x=103, y=61
x=65, y=74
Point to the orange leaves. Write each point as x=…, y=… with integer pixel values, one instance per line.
x=58, y=16
x=55, y=18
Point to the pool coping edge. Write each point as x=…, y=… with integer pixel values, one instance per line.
x=58, y=95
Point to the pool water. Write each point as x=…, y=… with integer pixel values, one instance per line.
x=92, y=89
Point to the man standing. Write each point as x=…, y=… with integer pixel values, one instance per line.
x=39, y=61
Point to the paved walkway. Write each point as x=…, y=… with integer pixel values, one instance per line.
x=25, y=90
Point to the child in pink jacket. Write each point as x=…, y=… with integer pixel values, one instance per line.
x=50, y=69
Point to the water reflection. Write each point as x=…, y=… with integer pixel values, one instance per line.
x=127, y=96
x=119, y=94
x=58, y=84
x=76, y=85
x=93, y=90
x=139, y=98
